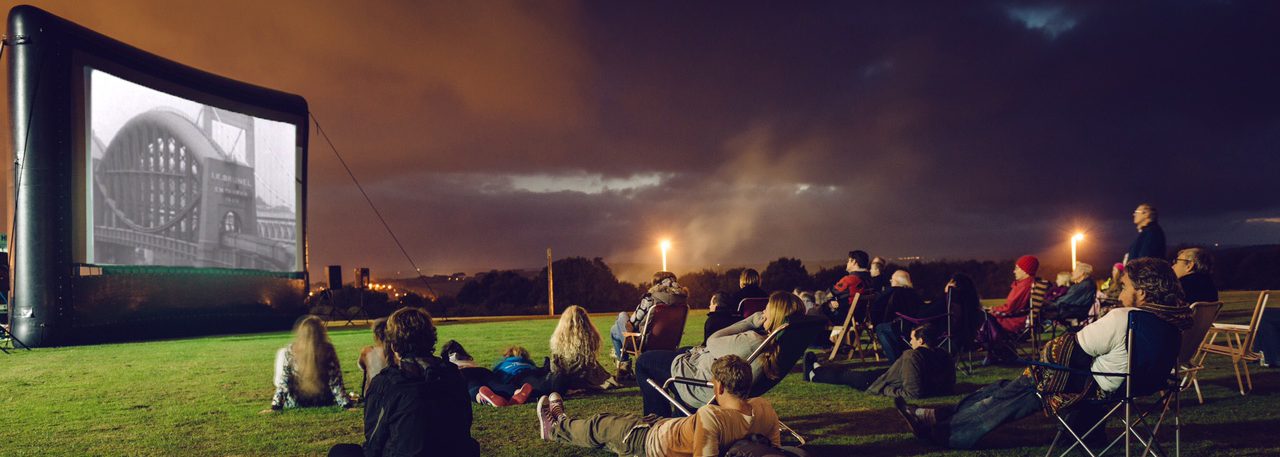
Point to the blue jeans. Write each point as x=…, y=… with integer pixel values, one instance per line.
x=615, y=334
x=890, y=340
x=989, y=407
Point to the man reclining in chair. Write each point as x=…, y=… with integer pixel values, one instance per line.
x=708, y=432
x=1101, y=347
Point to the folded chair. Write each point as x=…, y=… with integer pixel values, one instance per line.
x=1237, y=343
x=792, y=339
x=1152, y=345
x=662, y=329
x=1202, y=317
x=749, y=306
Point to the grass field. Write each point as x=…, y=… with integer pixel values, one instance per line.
x=202, y=396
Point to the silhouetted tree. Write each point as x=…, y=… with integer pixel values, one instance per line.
x=785, y=274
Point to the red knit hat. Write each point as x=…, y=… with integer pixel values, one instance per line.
x=1029, y=264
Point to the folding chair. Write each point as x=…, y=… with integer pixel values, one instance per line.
x=1202, y=317
x=749, y=306
x=1151, y=364
x=792, y=338
x=850, y=333
x=1039, y=288
x=1237, y=343
x=662, y=328
x=953, y=340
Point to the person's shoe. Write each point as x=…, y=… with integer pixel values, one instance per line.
x=555, y=405
x=918, y=429
x=809, y=360
x=486, y=396
x=522, y=395
x=545, y=421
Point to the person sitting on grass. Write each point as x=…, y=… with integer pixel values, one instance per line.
x=307, y=372
x=921, y=372
x=1149, y=285
x=665, y=290
x=417, y=406
x=374, y=358
x=575, y=354
x=708, y=432
x=720, y=315
x=740, y=339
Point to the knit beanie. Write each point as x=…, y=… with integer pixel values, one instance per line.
x=1028, y=264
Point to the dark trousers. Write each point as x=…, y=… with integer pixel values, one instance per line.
x=989, y=407
x=890, y=340
x=346, y=450
x=655, y=365
x=848, y=376
x=1268, y=339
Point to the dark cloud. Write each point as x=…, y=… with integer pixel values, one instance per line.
x=959, y=129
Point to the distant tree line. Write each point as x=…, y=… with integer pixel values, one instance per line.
x=591, y=283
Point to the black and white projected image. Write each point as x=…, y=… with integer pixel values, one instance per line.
x=179, y=183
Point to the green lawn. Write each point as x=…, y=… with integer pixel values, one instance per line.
x=202, y=397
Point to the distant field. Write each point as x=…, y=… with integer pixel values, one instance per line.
x=202, y=396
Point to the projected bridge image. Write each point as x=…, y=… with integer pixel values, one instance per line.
x=166, y=193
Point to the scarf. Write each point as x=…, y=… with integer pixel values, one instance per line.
x=1060, y=388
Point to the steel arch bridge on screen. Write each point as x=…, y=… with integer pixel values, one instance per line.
x=165, y=193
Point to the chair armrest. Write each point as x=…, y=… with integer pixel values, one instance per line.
x=1057, y=367
x=1230, y=327
x=626, y=334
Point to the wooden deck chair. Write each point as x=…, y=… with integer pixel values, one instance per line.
x=662, y=328
x=850, y=332
x=1237, y=343
x=1031, y=329
x=749, y=306
x=792, y=340
x=1202, y=316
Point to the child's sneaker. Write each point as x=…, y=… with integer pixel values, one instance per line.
x=522, y=395
x=486, y=396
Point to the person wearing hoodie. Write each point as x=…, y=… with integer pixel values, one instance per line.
x=665, y=290
x=418, y=406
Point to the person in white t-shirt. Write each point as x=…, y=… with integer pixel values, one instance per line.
x=708, y=432
x=1149, y=285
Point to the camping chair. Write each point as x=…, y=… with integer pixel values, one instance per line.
x=792, y=339
x=662, y=329
x=952, y=340
x=1151, y=363
x=1202, y=317
x=749, y=306
x=1031, y=330
x=850, y=333
x=1237, y=343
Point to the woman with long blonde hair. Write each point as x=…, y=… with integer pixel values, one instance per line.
x=740, y=339
x=575, y=352
x=307, y=371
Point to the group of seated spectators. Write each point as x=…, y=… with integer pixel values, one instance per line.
x=416, y=403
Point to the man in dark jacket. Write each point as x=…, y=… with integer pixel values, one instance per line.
x=1194, y=267
x=1080, y=297
x=922, y=371
x=1150, y=241
x=748, y=287
x=418, y=407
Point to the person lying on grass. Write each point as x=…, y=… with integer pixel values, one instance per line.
x=307, y=372
x=922, y=371
x=740, y=339
x=418, y=406
x=1149, y=285
x=481, y=382
x=711, y=429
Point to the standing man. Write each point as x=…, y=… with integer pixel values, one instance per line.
x=1150, y=241
x=1194, y=267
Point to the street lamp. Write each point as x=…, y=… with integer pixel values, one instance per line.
x=664, y=245
x=1074, y=240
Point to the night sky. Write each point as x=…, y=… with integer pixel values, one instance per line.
x=744, y=131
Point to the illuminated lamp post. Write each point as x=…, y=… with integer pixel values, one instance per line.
x=1075, y=240
x=665, y=245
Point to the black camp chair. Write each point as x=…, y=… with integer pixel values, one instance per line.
x=1153, y=355
x=793, y=338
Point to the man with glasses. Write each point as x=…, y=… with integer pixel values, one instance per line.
x=1194, y=267
x=1150, y=241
